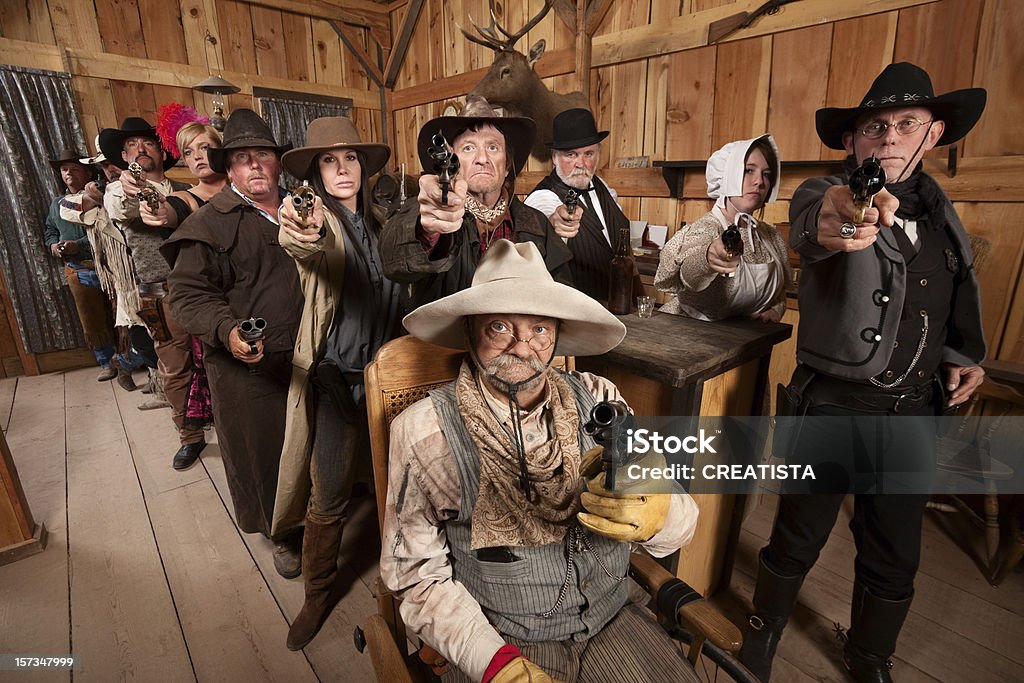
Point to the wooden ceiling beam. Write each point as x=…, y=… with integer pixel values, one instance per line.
x=566, y=11
x=401, y=46
x=352, y=42
x=596, y=12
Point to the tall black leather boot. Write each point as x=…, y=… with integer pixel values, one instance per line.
x=774, y=598
x=875, y=625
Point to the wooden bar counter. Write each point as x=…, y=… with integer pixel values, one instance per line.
x=669, y=365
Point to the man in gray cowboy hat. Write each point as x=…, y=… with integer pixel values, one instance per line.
x=229, y=267
x=508, y=552
x=592, y=230
x=68, y=242
x=890, y=324
x=434, y=246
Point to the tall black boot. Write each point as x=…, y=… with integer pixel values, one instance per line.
x=774, y=598
x=875, y=625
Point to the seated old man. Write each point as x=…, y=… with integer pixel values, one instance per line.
x=509, y=559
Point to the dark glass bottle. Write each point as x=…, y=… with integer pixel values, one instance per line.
x=620, y=277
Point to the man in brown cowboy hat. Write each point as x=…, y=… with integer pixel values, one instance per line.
x=592, y=231
x=229, y=267
x=68, y=242
x=434, y=246
x=508, y=552
x=890, y=324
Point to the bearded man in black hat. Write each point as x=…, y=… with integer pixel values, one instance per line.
x=229, y=267
x=68, y=242
x=890, y=325
x=592, y=230
x=435, y=246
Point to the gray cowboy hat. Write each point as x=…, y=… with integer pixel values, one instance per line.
x=519, y=131
x=245, y=128
x=512, y=279
x=905, y=85
x=112, y=141
x=329, y=133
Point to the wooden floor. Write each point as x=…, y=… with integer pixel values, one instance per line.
x=146, y=577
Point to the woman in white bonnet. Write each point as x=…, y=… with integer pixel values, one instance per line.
x=709, y=283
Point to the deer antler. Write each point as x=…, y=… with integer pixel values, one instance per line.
x=489, y=37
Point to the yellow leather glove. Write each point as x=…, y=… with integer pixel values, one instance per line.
x=522, y=670
x=622, y=515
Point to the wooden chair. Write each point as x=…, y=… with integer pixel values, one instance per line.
x=404, y=370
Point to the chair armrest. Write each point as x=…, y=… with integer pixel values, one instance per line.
x=388, y=663
x=697, y=615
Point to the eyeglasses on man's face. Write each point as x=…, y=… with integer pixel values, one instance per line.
x=876, y=129
x=501, y=337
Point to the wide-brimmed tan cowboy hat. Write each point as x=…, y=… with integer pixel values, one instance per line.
x=512, y=278
x=111, y=141
x=245, y=128
x=334, y=132
x=98, y=159
x=905, y=85
x=519, y=132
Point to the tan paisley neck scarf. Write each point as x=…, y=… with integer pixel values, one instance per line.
x=503, y=515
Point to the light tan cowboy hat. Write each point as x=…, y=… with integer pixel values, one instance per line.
x=512, y=278
x=96, y=160
x=334, y=132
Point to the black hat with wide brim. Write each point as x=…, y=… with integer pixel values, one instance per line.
x=575, y=128
x=64, y=157
x=905, y=85
x=112, y=141
x=519, y=133
x=245, y=128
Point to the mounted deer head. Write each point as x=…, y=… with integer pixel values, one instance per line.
x=513, y=85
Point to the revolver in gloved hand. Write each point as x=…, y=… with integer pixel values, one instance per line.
x=610, y=424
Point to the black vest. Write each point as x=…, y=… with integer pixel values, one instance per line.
x=932, y=275
x=590, y=250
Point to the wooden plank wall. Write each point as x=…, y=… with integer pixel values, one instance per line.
x=685, y=104
x=262, y=43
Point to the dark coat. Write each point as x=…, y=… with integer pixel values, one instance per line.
x=457, y=254
x=229, y=265
x=850, y=303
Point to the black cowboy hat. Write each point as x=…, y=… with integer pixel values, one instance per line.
x=245, y=128
x=112, y=141
x=905, y=85
x=519, y=131
x=574, y=128
x=64, y=157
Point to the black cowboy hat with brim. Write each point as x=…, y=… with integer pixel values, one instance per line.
x=905, y=85
x=245, y=128
x=575, y=128
x=112, y=141
x=65, y=156
x=519, y=133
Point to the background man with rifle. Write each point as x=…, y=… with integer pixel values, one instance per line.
x=434, y=246
x=890, y=324
x=500, y=537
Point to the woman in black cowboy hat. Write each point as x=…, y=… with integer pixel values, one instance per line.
x=890, y=324
x=350, y=311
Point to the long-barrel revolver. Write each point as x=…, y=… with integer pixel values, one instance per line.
x=610, y=424
x=302, y=200
x=572, y=200
x=445, y=163
x=146, y=194
x=865, y=182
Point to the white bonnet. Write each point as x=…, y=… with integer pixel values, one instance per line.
x=725, y=170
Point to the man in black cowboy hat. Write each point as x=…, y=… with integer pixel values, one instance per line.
x=68, y=242
x=436, y=246
x=229, y=267
x=890, y=324
x=592, y=230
